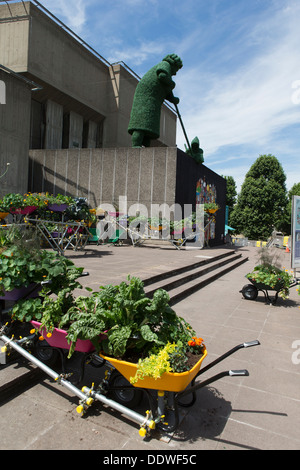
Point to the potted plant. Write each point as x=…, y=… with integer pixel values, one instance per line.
x=12, y=203
x=270, y=277
x=23, y=266
x=78, y=210
x=125, y=326
x=59, y=203
x=211, y=207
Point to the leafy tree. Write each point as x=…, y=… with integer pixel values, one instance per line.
x=231, y=193
x=262, y=202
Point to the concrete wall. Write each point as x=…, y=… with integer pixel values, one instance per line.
x=14, y=134
x=152, y=176
x=145, y=176
x=72, y=75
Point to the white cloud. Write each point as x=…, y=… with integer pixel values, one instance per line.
x=137, y=54
x=253, y=102
x=70, y=12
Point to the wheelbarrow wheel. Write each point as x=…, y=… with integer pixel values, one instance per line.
x=128, y=396
x=45, y=353
x=249, y=292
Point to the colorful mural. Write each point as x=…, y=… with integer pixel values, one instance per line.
x=206, y=193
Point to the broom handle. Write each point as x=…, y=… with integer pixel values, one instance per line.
x=186, y=138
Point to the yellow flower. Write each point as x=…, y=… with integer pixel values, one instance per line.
x=49, y=335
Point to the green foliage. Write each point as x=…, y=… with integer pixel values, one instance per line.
x=132, y=322
x=173, y=357
x=231, y=194
x=11, y=201
x=21, y=266
x=272, y=277
x=269, y=273
x=154, y=365
x=262, y=202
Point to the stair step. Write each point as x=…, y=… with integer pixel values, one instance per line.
x=183, y=269
x=17, y=376
x=185, y=276
x=193, y=286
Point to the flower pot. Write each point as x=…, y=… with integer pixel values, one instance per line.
x=57, y=207
x=58, y=339
x=3, y=215
x=211, y=211
x=24, y=211
x=32, y=291
x=169, y=381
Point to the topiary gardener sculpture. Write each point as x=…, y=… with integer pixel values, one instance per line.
x=155, y=87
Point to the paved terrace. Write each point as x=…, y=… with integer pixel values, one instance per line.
x=256, y=412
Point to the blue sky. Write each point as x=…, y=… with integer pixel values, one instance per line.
x=239, y=87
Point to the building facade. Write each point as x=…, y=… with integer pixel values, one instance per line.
x=82, y=101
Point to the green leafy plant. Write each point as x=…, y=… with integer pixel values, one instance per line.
x=134, y=325
x=211, y=206
x=272, y=277
x=269, y=273
x=20, y=267
x=173, y=357
x=12, y=201
x=154, y=365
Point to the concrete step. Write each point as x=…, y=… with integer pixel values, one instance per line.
x=189, y=288
x=182, y=270
x=16, y=377
x=184, y=281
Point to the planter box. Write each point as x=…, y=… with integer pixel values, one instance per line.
x=32, y=291
x=58, y=339
x=169, y=381
x=57, y=207
x=3, y=215
x=25, y=211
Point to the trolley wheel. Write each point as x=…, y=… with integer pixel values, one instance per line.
x=129, y=396
x=45, y=353
x=249, y=292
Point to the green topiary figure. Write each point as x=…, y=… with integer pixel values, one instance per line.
x=151, y=91
x=196, y=152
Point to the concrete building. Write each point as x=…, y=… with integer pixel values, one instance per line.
x=83, y=100
x=64, y=124
x=15, y=105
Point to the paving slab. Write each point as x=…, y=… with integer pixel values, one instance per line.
x=261, y=411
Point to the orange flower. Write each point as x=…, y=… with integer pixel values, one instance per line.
x=191, y=343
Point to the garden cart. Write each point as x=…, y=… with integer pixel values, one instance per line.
x=163, y=395
x=250, y=291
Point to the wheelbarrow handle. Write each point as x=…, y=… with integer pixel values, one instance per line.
x=227, y=354
x=251, y=343
x=197, y=386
